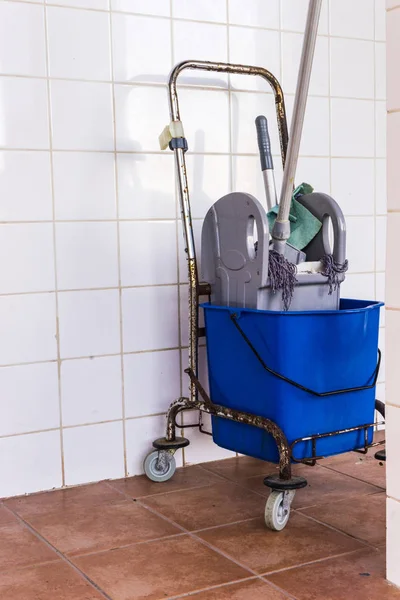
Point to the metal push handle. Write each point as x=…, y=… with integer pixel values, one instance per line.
x=179, y=151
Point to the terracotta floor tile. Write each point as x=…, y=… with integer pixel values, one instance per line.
x=324, y=485
x=246, y=590
x=96, y=528
x=263, y=550
x=241, y=467
x=362, y=466
x=208, y=507
x=185, y=478
x=19, y=547
x=158, y=570
x=363, y=518
x=56, y=581
x=64, y=500
x=359, y=576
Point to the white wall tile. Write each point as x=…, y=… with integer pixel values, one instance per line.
x=315, y=138
x=392, y=324
x=380, y=243
x=314, y=171
x=155, y=7
x=360, y=244
x=291, y=51
x=141, y=114
x=380, y=294
x=89, y=323
x=353, y=185
x=353, y=19
x=250, y=47
x=93, y=453
x=393, y=171
x=26, y=198
x=393, y=535
x=351, y=72
x=29, y=398
x=146, y=186
x=148, y=253
x=245, y=108
x=256, y=14
x=91, y=390
x=150, y=318
x=380, y=71
x=82, y=115
x=151, y=382
x=209, y=179
x=206, y=10
x=79, y=44
x=352, y=128
x=202, y=447
x=94, y=4
x=134, y=58
x=28, y=328
x=205, y=115
x=294, y=12
x=380, y=20
x=30, y=463
x=140, y=435
x=393, y=281
x=22, y=39
x=24, y=113
x=380, y=129
x=358, y=286
x=188, y=43
x=380, y=186
x=29, y=266
x=84, y=185
x=247, y=177
x=87, y=255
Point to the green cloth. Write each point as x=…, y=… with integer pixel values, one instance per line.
x=303, y=225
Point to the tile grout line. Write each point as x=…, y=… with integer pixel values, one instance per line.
x=56, y=299
x=120, y=306
x=58, y=553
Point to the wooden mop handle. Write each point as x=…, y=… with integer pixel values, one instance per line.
x=281, y=229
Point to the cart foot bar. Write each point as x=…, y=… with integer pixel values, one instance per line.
x=381, y=455
x=164, y=444
x=276, y=483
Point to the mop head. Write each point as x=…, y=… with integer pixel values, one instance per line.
x=332, y=270
x=303, y=225
x=282, y=275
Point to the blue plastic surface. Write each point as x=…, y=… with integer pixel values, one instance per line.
x=322, y=350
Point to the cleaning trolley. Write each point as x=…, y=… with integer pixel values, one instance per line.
x=292, y=367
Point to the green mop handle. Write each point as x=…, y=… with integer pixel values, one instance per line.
x=281, y=229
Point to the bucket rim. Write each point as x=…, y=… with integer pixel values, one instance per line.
x=367, y=306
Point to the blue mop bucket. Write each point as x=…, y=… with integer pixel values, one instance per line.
x=322, y=351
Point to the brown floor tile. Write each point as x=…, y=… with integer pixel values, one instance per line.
x=209, y=506
x=263, y=550
x=6, y=517
x=362, y=466
x=324, y=485
x=185, y=478
x=64, y=500
x=57, y=581
x=95, y=528
x=19, y=547
x=363, y=518
x=241, y=467
x=359, y=576
x=159, y=569
x=247, y=590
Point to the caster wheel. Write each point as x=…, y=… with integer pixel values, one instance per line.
x=277, y=509
x=159, y=465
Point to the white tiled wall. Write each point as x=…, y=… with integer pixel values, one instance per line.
x=93, y=315
x=393, y=293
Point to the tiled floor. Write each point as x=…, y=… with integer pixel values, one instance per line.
x=201, y=535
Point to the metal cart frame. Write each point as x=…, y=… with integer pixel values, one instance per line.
x=284, y=481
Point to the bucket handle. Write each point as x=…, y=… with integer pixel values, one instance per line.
x=234, y=319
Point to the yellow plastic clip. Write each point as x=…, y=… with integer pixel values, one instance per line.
x=173, y=130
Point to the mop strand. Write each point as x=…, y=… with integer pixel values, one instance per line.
x=282, y=275
x=332, y=270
